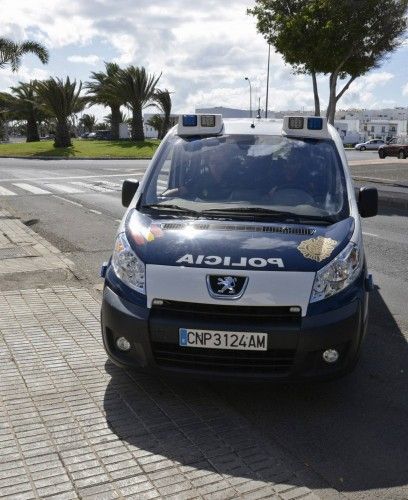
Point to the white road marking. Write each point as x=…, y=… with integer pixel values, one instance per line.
x=67, y=200
x=95, y=211
x=111, y=185
x=68, y=178
x=64, y=189
x=118, y=220
x=6, y=192
x=93, y=187
x=371, y=234
x=30, y=188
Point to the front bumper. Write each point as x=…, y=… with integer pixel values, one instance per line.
x=295, y=344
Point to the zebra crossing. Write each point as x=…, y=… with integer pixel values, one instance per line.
x=48, y=187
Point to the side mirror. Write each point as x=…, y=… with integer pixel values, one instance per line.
x=129, y=188
x=368, y=202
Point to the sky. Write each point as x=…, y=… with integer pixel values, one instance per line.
x=204, y=50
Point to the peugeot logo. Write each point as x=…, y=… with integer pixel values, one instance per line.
x=227, y=284
x=226, y=287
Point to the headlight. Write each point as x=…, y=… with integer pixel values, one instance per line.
x=338, y=274
x=127, y=265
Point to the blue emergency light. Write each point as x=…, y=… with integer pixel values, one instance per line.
x=315, y=123
x=189, y=120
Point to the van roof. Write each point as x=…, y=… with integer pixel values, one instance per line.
x=262, y=126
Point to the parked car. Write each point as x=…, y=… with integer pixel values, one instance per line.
x=85, y=135
x=373, y=144
x=92, y=135
x=103, y=135
x=396, y=147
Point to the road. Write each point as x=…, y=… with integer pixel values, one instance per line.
x=353, y=433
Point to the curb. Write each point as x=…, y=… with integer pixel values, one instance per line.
x=376, y=180
x=387, y=201
x=394, y=200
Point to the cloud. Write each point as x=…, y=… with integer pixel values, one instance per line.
x=92, y=59
x=203, y=49
x=24, y=74
x=363, y=92
x=405, y=90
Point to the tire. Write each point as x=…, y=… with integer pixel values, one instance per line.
x=401, y=155
x=362, y=148
x=381, y=154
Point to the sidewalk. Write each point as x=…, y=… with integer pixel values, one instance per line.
x=72, y=425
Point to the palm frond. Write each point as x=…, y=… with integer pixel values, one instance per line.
x=11, y=52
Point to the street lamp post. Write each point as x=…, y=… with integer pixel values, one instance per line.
x=267, y=82
x=250, y=96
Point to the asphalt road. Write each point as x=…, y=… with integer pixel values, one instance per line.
x=352, y=154
x=352, y=433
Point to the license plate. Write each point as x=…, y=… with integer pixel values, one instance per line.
x=210, y=339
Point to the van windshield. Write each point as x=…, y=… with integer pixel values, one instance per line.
x=238, y=173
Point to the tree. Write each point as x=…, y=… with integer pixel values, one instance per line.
x=123, y=118
x=61, y=99
x=343, y=39
x=162, y=100
x=4, y=118
x=12, y=52
x=104, y=90
x=137, y=88
x=88, y=122
x=156, y=121
x=23, y=105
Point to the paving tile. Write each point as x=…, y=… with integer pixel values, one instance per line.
x=74, y=426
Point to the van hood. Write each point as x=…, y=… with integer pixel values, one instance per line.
x=219, y=244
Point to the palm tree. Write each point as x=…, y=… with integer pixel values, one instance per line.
x=137, y=89
x=162, y=101
x=88, y=122
x=4, y=117
x=123, y=118
x=24, y=105
x=61, y=99
x=12, y=52
x=104, y=90
x=156, y=121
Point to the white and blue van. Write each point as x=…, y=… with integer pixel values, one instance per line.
x=240, y=254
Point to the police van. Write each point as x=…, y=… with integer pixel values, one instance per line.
x=240, y=254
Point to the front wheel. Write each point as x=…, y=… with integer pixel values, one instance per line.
x=362, y=148
x=381, y=154
x=401, y=155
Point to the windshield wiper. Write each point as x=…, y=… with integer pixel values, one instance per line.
x=278, y=214
x=171, y=208
x=254, y=210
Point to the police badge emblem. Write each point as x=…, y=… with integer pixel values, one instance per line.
x=317, y=249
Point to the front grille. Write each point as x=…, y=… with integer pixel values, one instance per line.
x=276, y=361
x=277, y=316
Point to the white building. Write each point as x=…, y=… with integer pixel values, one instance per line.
x=377, y=123
x=383, y=129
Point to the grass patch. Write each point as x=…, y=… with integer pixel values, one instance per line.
x=83, y=149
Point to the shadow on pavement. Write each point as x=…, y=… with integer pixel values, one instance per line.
x=353, y=433
x=390, y=211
